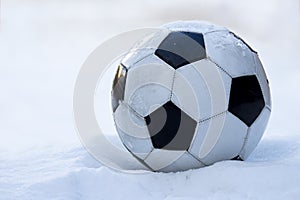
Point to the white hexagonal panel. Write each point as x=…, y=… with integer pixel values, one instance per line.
x=230, y=53
x=218, y=84
x=230, y=141
x=201, y=89
x=187, y=79
x=219, y=138
x=150, y=70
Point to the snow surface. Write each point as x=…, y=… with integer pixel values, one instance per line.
x=272, y=172
x=44, y=43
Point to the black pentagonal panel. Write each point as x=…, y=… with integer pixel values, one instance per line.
x=181, y=48
x=246, y=99
x=170, y=128
x=119, y=86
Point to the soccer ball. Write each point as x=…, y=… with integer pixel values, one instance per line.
x=190, y=95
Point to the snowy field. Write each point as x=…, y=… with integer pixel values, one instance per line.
x=42, y=47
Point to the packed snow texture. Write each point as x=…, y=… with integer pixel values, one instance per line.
x=42, y=46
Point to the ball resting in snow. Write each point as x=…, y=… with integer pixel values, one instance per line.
x=190, y=95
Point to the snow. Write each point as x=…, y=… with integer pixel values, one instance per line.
x=272, y=172
x=42, y=46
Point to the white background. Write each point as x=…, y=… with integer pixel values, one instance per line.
x=43, y=44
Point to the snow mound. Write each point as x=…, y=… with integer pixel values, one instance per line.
x=270, y=173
